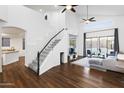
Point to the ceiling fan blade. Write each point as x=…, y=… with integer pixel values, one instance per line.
x=64, y=10
x=73, y=10
x=92, y=18
x=62, y=5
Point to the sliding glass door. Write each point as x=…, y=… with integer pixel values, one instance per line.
x=100, y=46
x=110, y=46
x=89, y=44
x=103, y=46
x=95, y=46
x=92, y=46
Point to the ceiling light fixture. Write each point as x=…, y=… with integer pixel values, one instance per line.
x=68, y=7
x=88, y=20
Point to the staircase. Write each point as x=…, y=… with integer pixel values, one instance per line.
x=42, y=55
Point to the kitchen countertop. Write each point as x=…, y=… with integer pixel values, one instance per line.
x=7, y=52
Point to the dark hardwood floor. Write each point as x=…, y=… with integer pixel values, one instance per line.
x=63, y=76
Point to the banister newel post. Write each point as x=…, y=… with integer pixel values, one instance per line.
x=38, y=62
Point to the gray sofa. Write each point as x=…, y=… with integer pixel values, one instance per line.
x=110, y=63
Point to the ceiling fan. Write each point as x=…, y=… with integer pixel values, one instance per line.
x=69, y=7
x=87, y=20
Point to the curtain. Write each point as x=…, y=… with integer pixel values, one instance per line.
x=84, y=45
x=116, y=41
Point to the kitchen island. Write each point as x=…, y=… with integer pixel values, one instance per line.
x=9, y=57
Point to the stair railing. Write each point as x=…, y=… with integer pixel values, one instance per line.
x=40, y=52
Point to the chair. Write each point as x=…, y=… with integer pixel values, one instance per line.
x=88, y=53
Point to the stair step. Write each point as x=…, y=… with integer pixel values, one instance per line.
x=49, y=46
x=33, y=66
x=48, y=49
x=54, y=43
x=43, y=56
x=45, y=52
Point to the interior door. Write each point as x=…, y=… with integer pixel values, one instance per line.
x=61, y=57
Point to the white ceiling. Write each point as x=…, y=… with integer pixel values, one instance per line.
x=45, y=7
x=94, y=10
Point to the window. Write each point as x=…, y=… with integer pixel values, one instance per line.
x=100, y=43
x=5, y=42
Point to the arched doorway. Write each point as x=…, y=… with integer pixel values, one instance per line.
x=13, y=44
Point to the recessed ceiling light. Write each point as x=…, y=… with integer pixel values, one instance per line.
x=40, y=10
x=55, y=5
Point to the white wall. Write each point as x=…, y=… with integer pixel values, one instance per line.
x=3, y=12
x=56, y=19
x=37, y=29
x=107, y=22
x=73, y=25
x=72, y=22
